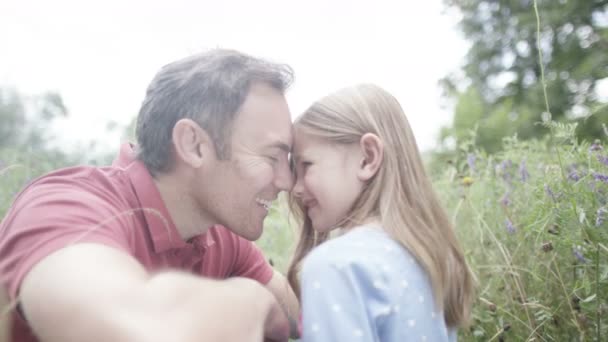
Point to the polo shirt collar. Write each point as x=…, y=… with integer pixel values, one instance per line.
x=158, y=220
x=162, y=229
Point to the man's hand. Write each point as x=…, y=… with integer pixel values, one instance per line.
x=277, y=326
x=287, y=301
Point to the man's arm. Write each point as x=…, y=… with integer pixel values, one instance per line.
x=279, y=286
x=106, y=295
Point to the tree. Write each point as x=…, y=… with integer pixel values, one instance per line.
x=501, y=90
x=25, y=121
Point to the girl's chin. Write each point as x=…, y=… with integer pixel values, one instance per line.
x=322, y=228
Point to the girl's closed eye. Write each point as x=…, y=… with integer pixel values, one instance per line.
x=304, y=165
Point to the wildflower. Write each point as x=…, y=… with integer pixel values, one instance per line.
x=504, y=168
x=467, y=181
x=578, y=254
x=523, y=171
x=600, y=216
x=471, y=161
x=600, y=177
x=510, y=227
x=603, y=159
x=549, y=192
x=596, y=146
x=505, y=199
x=574, y=176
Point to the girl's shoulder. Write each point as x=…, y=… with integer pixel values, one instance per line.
x=365, y=249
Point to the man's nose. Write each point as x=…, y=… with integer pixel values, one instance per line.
x=284, y=179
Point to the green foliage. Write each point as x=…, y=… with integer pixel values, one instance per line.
x=534, y=223
x=501, y=89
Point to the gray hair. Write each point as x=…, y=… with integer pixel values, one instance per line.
x=208, y=88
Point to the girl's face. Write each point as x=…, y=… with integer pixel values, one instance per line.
x=326, y=179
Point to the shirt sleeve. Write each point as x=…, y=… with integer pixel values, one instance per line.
x=341, y=299
x=250, y=262
x=48, y=217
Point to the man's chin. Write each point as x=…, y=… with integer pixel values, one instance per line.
x=252, y=234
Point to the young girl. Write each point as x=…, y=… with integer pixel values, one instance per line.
x=395, y=271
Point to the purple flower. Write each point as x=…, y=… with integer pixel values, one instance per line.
x=574, y=176
x=504, y=167
x=596, y=146
x=471, y=161
x=506, y=164
x=603, y=159
x=600, y=177
x=579, y=255
x=600, y=216
x=523, y=171
x=549, y=192
x=510, y=227
x=505, y=199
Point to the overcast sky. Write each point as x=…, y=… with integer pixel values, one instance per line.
x=100, y=55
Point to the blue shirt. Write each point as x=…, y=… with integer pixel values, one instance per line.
x=364, y=286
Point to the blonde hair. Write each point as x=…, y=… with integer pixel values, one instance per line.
x=400, y=195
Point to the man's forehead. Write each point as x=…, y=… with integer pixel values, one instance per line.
x=284, y=141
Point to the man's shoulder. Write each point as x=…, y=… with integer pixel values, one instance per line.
x=69, y=186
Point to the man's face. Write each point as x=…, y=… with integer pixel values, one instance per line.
x=239, y=191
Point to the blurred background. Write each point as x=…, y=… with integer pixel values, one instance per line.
x=508, y=105
x=73, y=73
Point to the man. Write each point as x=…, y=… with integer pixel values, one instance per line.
x=117, y=253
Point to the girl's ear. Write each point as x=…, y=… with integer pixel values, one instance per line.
x=372, y=150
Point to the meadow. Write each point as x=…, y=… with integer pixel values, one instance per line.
x=533, y=221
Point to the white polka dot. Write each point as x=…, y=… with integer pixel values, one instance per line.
x=404, y=284
x=386, y=268
x=421, y=299
x=423, y=338
x=411, y=323
x=433, y=314
x=336, y=308
x=385, y=311
x=316, y=285
x=315, y=327
x=388, y=248
x=412, y=260
x=358, y=333
x=396, y=308
x=377, y=284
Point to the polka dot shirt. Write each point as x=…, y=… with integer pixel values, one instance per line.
x=363, y=286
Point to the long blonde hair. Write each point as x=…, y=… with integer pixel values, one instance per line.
x=400, y=196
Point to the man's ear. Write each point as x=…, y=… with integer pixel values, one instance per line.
x=372, y=150
x=191, y=143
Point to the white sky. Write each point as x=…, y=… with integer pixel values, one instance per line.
x=100, y=55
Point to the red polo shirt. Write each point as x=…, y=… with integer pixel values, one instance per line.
x=117, y=206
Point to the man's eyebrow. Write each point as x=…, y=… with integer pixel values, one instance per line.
x=281, y=146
